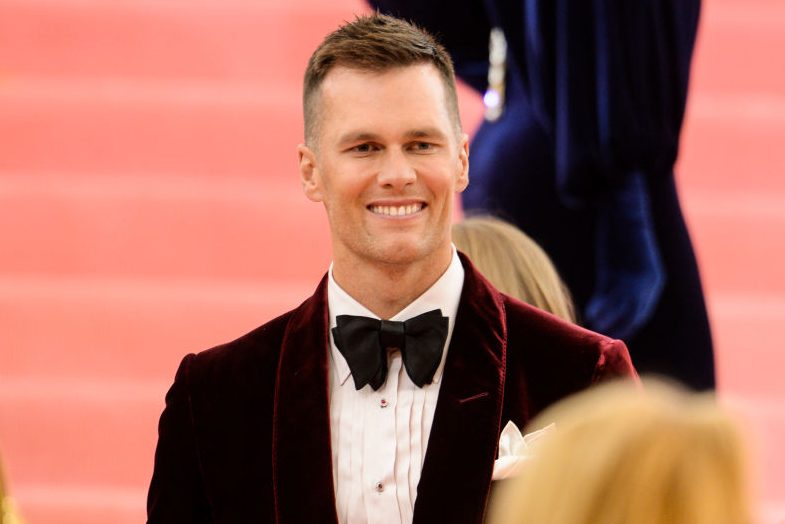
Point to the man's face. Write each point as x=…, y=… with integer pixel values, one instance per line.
x=387, y=165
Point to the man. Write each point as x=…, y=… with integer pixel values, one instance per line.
x=287, y=424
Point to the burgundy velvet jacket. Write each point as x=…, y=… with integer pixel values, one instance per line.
x=245, y=435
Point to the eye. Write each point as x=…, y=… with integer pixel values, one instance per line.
x=422, y=147
x=364, y=149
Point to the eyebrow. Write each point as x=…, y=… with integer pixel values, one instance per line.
x=364, y=136
x=358, y=136
x=428, y=132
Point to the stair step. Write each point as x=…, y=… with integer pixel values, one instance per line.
x=177, y=127
x=733, y=143
x=161, y=226
x=730, y=51
x=763, y=425
x=748, y=343
x=74, y=432
x=737, y=236
x=128, y=328
x=244, y=40
x=134, y=129
x=58, y=504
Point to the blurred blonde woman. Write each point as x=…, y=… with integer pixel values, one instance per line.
x=621, y=455
x=513, y=263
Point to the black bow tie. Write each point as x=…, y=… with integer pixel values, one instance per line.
x=364, y=343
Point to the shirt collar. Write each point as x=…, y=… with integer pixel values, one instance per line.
x=444, y=294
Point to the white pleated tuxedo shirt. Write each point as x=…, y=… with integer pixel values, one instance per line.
x=379, y=438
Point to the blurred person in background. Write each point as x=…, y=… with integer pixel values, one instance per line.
x=514, y=263
x=622, y=455
x=584, y=106
x=8, y=512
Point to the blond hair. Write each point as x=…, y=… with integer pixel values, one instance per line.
x=8, y=513
x=621, y=455
x=514, y=263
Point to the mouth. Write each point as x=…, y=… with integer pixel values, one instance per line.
x=397, y=211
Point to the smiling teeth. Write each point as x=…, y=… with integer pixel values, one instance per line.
x=396, y=210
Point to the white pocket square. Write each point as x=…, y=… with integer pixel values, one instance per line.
x=514, y=450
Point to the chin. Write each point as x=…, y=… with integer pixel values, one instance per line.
x=404, y=252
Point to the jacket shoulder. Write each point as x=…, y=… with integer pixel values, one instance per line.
x=556, y=358
x=543, y=325
x=238, y=361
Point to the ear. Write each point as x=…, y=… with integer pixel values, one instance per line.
x=309, y=173
x=463, y=164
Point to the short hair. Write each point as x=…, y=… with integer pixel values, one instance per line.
x=375, y=43
x=514, y=263
x=620, y=454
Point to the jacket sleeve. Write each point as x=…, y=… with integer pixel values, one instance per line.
x=176, y=491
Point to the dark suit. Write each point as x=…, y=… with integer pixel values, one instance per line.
x=245, y=435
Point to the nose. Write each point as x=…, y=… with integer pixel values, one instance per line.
x=396, y=170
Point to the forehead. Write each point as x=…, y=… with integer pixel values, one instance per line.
x=412, y=95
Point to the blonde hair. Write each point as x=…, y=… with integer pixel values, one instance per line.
x=8, y=513
x=621, y=455
x=514, y=263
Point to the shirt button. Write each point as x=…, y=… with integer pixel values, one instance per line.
x=383, y=403
x=379, y=487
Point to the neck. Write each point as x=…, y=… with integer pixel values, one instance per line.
x=385, y=289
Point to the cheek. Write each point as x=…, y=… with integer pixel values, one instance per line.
x=445, y=185
x=341, y=193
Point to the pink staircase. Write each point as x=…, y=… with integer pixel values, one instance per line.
x=149, y=207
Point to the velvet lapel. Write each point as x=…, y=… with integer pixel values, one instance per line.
x=302, y=460
x=458, y=465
